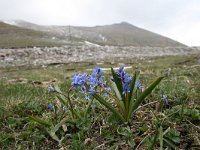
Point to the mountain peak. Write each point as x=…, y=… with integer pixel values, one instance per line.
x=123, y=23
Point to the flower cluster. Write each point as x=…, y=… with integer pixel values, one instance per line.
x=79, y=80
x=93, y=81
x=126, y=80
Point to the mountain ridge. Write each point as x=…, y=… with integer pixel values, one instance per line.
x=117, y=34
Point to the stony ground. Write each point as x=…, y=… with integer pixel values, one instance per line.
x=84, y=53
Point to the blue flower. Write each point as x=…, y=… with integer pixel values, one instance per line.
x=97, y=71
x=90, y=84
x=126, y=88
x=51, y=89
x=93, y=81
x=165, y=99
x=120, y=72
x=83, y=89
x=79, y=80
x=138, y=85
x=91, y=91
x=125, y=79
x=87, y=97
x=51, y=107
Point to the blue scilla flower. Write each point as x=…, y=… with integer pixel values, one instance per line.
x=51, y=107
x=51, y=89
x=91, y=91
x=93, y=81
x=125, y=79
x=138, y=85
x=87, y=97
x=120, y=72
x=165, y=99
x=126, y=88
x=79, y=80
x=97, y=71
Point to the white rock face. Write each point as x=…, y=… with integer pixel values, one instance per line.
x=84, y=53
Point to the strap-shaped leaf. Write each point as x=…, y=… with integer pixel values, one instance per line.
x=118, y=83
x=170, y=143
x=40, y=121
x=57, y=126
x=117, y=93
x=118, y=98
x=161, y=137
x=54, y=136
x=108, y=106
x=133, y=86
x=62, y=99
x=144, y=94
x=133, y=89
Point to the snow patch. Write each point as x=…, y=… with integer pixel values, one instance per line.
x=10, y=22
x=102, y=37
x=107, y=69
x=92, y=44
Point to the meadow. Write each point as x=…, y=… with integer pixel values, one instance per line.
x=168, y=118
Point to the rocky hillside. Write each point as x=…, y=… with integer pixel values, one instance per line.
x=12, y=36
x=121, y=34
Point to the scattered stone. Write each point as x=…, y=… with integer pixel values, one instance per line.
x=84, y=53
x=87, y=141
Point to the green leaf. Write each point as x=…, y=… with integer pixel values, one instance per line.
x=56, y=87
x=131, y=143
x=166, y=131
x=125, y=131
x=161, y=137
x=113, y=119
x=54, y=129
x=113, y=85
x=108, y=106
x=54, y=136
x=132, y=90
x=40, y=121
x=118, y=83
x=144, y=94
x=118, y=98
x=62, y=99
x=173, y=135
x=153, y=143
x=169, y=143
x=132, y=86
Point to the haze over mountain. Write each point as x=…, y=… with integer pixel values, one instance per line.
x=119, y=34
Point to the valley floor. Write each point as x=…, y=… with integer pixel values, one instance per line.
x=85, y=53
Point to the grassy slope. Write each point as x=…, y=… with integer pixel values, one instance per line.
x=126, y=34
x=18, y=100
x=16, y=37
x=123, y=34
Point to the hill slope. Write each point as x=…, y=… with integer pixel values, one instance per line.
x=14, y=37
x=121, y=34
x=125, y=34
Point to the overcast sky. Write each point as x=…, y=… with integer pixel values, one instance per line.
x=177, y=19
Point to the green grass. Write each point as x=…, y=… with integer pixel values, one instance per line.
x=20, y=99
x=17, y=37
